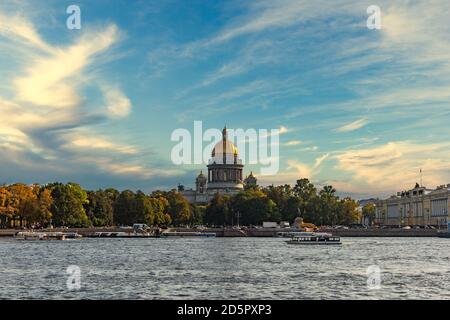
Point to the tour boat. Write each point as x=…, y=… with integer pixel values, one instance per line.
x=26, y=235
x=311, y=238
x=31, y=235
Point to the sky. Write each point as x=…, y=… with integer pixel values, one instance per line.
x=361, y=109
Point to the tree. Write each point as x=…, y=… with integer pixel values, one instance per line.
x=328, y=205
x=6, y=210
x=68, y=205
x=22, y=202
x=160, y=205
x=144, y=209
x=40, y=207
x=125, y=208
x=100, y=208
x=198, y=214
x=254, y=207
x=305, y=192
x=348, y=211
x=179, y=208
x=369, y=212
x=217, y=211
x=287, y=202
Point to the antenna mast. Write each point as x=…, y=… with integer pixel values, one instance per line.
x=421, y=177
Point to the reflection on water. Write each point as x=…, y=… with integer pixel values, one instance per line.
x=225, y=268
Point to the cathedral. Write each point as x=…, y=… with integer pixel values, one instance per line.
x=224, y=174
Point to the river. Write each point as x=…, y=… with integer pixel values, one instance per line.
x=226, y=268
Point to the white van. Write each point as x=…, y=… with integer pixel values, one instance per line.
x=141, y=226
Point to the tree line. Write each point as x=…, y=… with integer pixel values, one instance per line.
x=283, y=203
x=70, y=205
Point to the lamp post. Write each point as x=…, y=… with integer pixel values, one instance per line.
x=238, y=215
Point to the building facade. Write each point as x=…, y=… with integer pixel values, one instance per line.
x=416, y=207
x=225, y=174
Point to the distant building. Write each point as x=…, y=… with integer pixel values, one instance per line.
x=418, y=206
x=250, y=180
x=224, y=174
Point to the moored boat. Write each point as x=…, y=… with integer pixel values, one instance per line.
x=27, y=235
x=122, y=234
x=314, y=238
x=188, y=234
x=32, y=235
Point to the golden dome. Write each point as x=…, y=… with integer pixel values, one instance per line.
x=224, y=146
x=228, y=145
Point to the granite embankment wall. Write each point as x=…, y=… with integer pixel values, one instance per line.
x=272, y=232
x=264, y=232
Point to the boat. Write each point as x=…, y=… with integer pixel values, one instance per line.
x=315, y=238
x=31, y=235
x=121, y=234
x=72, y=235
x=27, y=235
x=290, y=234
x=188, y=234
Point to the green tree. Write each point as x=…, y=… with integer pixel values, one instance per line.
x=125, y=208
x=287, y=202
x=306, y=192
x=217, y=211
x=68, y=205
x=369, y=211
x=254, y=207
x=179, y=208
x=100, y=208
x=348, y=211
x=328, y=205
x=198, y=214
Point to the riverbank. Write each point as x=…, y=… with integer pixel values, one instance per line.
x=259, y=232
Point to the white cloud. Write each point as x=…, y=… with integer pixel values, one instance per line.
x=395, y=165
x=90, y=143
x=19, y=29
x=355, y=125
x=117, y=103
x=293, y=143
x=295, y=170
x=46, y=114
x=52, y=80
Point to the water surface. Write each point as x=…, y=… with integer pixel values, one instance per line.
x=225, y=268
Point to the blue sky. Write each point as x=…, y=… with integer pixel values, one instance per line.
x=360, y=109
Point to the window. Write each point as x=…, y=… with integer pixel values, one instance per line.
x=418, y=209
x=392, y=211
x=439, y=207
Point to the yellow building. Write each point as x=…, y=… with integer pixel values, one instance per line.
x=416, y=207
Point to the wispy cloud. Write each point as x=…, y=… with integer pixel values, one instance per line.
x=293, y=143
x=355, y=125
x=47, y=109
x=395, y=165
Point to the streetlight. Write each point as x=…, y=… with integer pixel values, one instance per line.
x=238, y=215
